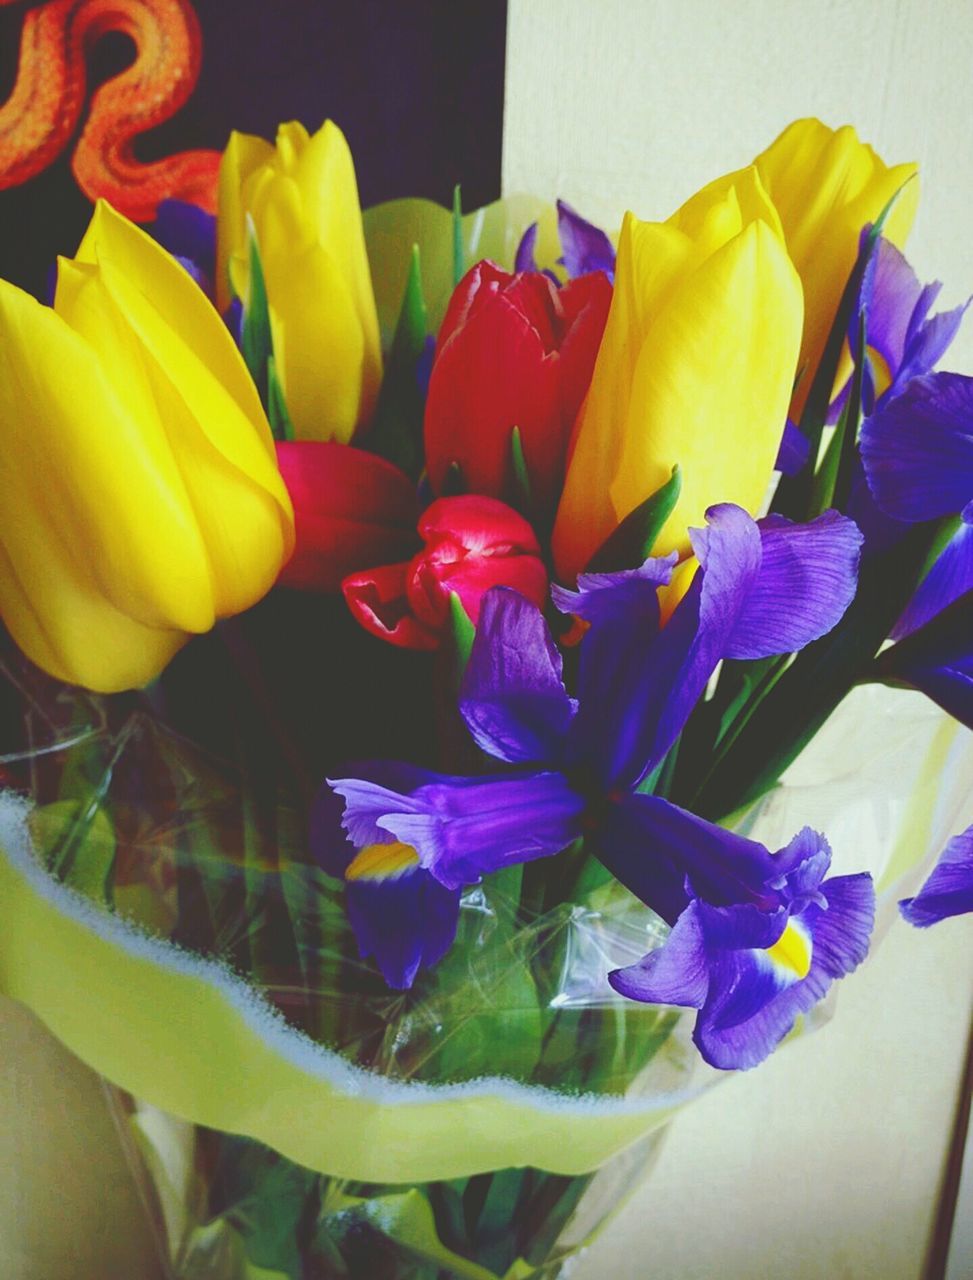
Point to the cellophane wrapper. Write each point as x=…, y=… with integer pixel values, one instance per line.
x=170, y=823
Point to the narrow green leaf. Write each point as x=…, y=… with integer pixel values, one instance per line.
x=520, y=495
x=396, y=431
x=459, y=256
x=463, y=634
x=833, y=480
x=256, y=341
x=633, y=540
x=279, y=418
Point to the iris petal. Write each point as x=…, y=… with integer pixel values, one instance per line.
x=807, y=579
x=918, y=448
x=513, y=699
x=949, y=889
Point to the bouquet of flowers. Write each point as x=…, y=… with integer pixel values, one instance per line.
x=411, y=619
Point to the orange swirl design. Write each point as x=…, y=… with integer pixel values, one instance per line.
x=43, y=112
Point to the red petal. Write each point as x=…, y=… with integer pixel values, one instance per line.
x=378, y=601
x=491, y=376
x=477, y=524
x=352, y=510
x=584, y=305
x=471, y=578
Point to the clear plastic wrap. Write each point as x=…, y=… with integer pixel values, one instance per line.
x=165, y=921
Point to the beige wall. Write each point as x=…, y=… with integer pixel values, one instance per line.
x=619, y=104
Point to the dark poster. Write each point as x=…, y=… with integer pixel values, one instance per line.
x=416, y=85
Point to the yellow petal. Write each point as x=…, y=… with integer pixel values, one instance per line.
x=712, y=385
x=827, y=185
x=617, y=426
x=239, y=499
x=325, y=174
x=319, y=345
x=60, y=417
x=586, y=515
x=243, y=155
x=132, y=509
x=178, y=303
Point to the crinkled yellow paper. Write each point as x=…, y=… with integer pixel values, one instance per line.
x=185, y=1034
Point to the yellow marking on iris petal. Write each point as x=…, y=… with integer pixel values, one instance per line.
x=792, y=951
x=382, y=861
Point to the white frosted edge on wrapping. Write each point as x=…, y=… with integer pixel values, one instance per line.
x=266, y=1022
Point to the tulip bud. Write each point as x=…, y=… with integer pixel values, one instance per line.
x=695, y=369
x=142, y=498
x=513, y=351
x=826, y=186
x=471, y=543
x=302, y=201
x=352, y=510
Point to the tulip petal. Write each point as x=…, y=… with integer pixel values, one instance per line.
x=179, y=304
x=352, y=511
x=378, y=601
x=244, y=154
x=827, y=185
x=742, y=308
x=494, y=371
x=323, y=379
x=325, y=174
x=75, y=516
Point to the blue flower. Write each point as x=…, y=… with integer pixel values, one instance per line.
x=949, y=889
x=917, y=451
x=574, y=768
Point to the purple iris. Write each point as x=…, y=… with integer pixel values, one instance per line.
x=574, y=769
x=917, y=453
x=584, y=247
x=189, y=234
x=949, y=889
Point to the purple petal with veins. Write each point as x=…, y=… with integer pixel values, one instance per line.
x=949, y=889
x=585, y=247
x=917, y=449
x=512, y=697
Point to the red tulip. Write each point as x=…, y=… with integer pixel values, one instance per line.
x=513, y=351
x=352, y=510
x=472, y=543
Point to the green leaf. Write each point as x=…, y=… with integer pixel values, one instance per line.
x=519, y=491
x=265, y=1199
x=463, y=633
x=396, y=431
x=406, y=1220
x=256, y=341
x=79, y=840
x=794, y=493
x=833, y=481
x=633, y=540
x=280, y=419
x=459, y=255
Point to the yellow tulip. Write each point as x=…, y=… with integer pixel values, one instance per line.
x=695, y=368
x=301, y=199
x=826, y=185
x=142, y=499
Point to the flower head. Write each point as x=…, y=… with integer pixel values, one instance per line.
x=301, y=199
